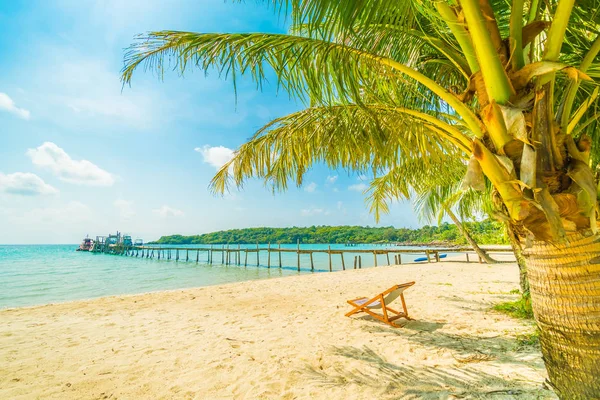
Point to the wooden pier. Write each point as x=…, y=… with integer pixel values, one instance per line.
x=251, y=256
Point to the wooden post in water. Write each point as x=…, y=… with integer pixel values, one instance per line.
x=257, y=256
x=238, y=255
x=222, y=254
x=159, y=254
x=467, y=257
x=269, y=256
x=246, y=259
x=375, y=257
x=355, y=261
x=187, y=255
x=359, y=262
x=298, y=252
x=387, y=255
x=343, y=263
x=210, y=254
x=279, y=247
x=197, y=256
x=312, y=264
x=399, y=259
x=329, y=252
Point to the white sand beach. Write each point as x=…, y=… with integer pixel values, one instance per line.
x=284, y=338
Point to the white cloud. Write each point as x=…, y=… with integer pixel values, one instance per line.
x=166, y=211
x=7, y=104
x=308, y=212
x=331, y=179
x=73, y=212
x=80, y=172
x=125, y=207
x=215, y=156
x=25, y=184
x=359, y=187
x=311, y=187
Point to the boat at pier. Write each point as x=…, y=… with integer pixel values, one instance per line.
x=86, y=245
x=110, y=244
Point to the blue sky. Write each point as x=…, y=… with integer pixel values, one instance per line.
x=79, y=156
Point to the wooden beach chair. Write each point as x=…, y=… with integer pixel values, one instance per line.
x=381, y=301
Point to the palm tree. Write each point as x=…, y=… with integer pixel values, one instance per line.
x=506, y=86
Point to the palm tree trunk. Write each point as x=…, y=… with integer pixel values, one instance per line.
x=467, y=236
x=564, y=284
x=521, y=262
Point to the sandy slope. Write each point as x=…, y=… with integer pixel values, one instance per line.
x=279, y=338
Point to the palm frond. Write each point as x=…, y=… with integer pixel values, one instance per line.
x=352, y=137
x=309, y=69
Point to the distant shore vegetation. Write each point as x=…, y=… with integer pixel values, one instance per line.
x=485, y=232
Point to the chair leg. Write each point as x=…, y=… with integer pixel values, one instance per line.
x=404, y=306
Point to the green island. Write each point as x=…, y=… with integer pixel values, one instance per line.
x=485, y=232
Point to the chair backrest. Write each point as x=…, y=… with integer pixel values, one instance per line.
x=394, y=294
x=396, y=291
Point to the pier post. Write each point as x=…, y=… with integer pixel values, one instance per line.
x=343, y=263
x=158, y=254
x=210, y=254
x=387, y=255
x=279, y=255
x=257, y=256
x=269, y=255
x=355, y=259
x=238, y=256
x=223, y=254
x=467, y=257
x=375, y=257
x=227, y=255
x=329, y=253
x=246, y=258
x=399, y=259
x=197, y=256
x=312, y=264
x=359, y=262
x=298, y=252
x=428, y=256
x=437, y=256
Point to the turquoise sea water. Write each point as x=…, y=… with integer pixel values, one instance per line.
x=40, y=274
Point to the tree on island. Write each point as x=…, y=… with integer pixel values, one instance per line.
x=507, y=87
x=486, y=232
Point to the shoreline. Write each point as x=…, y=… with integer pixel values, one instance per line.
x=278, y=338
x=454, y=259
